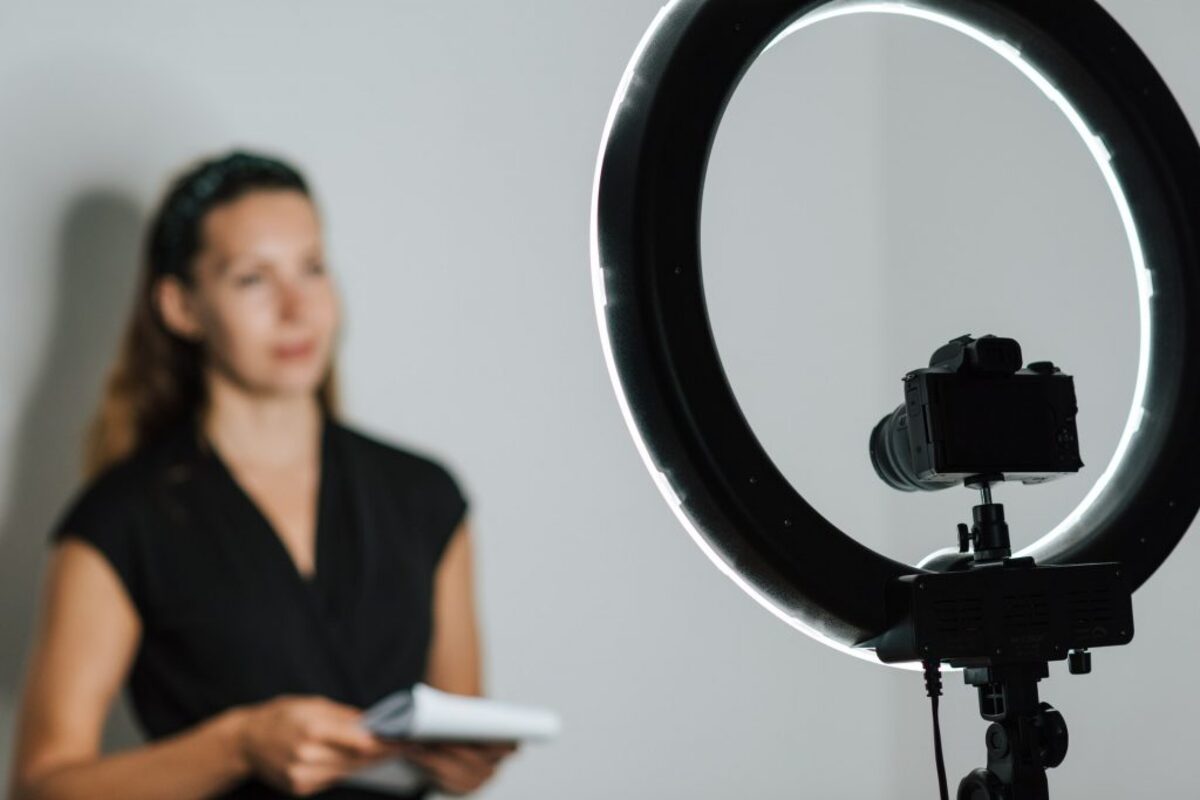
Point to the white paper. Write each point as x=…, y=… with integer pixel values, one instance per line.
x=428, y=714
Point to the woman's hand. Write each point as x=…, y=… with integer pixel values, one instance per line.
x=457, y=767
x=302, y=744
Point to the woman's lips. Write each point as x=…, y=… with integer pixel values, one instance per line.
x=294, y=351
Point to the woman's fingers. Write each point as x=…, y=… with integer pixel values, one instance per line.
x=460, y=766
x=495, y=751
x=302, y=743
x=306, y=779
x=451, y=771
x=321, y=753
x=341, y=727
x=469, y=756
x=488, y=752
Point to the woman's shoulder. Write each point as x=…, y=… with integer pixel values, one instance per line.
x=107, y=511
x=113, y=495
x=412, y=475
x=386, y=452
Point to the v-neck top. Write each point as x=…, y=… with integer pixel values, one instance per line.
x=228, y=619
x=333, y=565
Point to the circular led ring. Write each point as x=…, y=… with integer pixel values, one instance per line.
x=662, y=358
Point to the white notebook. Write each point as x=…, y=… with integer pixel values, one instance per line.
x=427, y=714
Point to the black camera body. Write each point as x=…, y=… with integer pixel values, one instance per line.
x=974, y=411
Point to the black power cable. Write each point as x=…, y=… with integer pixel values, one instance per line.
x=933, y=688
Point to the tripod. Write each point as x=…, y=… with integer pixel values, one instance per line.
x=1026, y=736
x=1003, y=620
x=1024, y=740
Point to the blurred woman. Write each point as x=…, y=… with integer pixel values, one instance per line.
x=254, y=571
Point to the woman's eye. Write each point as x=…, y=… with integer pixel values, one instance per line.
x=247, y=279
x=316, y=268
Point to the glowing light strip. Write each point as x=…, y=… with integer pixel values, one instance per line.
x=1095, y=146
x=599, y=296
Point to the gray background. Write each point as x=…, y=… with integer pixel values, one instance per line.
x=878, y=187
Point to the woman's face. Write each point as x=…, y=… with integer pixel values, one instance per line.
x=261, y=300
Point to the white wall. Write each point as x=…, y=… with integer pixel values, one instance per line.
x=452, y=148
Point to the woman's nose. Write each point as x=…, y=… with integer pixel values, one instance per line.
x=292, y=299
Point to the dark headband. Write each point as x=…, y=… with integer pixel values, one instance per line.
x=177, y=233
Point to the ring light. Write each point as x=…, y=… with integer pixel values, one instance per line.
x=662, y=358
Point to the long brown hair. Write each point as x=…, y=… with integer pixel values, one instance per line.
x=157, y=380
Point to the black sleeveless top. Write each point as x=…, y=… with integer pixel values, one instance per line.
x=227, y=617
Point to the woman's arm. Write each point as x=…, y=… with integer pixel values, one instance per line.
x=86, y=640
x=455, y=666
x=454, y=652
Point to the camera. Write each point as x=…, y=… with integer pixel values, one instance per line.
x=975, y=412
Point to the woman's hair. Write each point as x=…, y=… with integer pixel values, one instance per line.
x=157, y=380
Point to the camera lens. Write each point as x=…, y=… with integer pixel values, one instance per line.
x=892, y=458
x=889, y=451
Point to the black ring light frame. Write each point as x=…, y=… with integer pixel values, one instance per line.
x=662, y=358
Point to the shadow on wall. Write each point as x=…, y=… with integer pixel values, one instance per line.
x=98, y=253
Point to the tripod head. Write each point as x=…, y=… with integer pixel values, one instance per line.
x=1002, y=620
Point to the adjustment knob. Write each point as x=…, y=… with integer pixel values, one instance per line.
x=1043, y=368
x=1053, y=735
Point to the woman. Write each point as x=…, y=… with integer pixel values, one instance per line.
x=256, y=570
